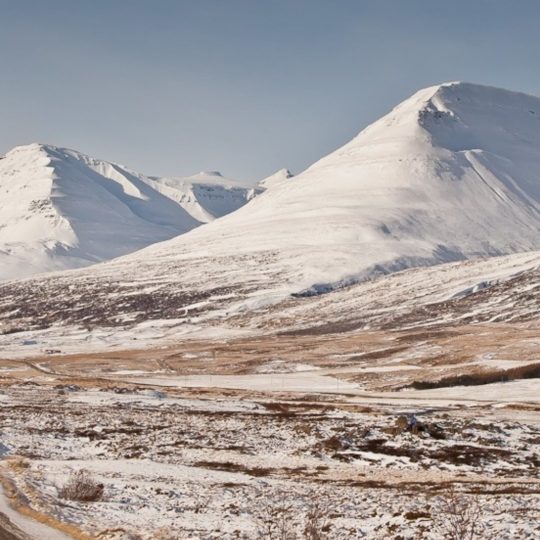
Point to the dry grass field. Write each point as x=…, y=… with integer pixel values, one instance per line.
x=288, y=436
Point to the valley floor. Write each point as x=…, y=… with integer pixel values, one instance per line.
x=254, y=438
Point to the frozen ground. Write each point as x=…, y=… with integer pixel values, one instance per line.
x=217, y=439
x=73, y=314
x=211, y=465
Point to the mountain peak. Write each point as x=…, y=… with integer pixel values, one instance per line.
x=454, y=116
x=211, y=173
x=25, y=149
x=463, y=97
x=35, y=147
x=214, y=178
x=60, y=209
x=451, y=173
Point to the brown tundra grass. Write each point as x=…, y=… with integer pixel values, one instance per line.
x=81, y=487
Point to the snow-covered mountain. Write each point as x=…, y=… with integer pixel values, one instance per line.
x=207, y=195
x=453, y=173
x=62, y=209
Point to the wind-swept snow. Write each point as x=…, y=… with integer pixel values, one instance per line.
x=450, y=174
x=62, y=209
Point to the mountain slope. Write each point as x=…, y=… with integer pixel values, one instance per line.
x=452, y=173
x=62, y=209
x=76, y=312
x=207, y=195
x=279, y=177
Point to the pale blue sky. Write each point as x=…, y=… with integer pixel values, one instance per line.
x=242, y=86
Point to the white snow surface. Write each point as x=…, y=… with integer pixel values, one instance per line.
x=207, y=195
x=451, y=173
x=62, y=209
x=278, y=178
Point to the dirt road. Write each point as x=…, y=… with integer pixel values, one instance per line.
x=8, y=531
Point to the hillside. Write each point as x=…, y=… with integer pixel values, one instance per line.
x=449, y=175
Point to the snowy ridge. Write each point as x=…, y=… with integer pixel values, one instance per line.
x=207, y=195
x=62, y=209
x=278, y=178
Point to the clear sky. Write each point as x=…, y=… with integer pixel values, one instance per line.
x=246, y=87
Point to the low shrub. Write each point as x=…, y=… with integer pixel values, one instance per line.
x=457, y=516
x=81, y=487
x=530, y=371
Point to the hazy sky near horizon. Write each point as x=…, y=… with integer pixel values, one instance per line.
x=171, y=87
